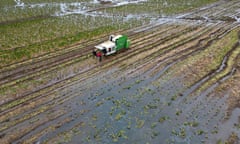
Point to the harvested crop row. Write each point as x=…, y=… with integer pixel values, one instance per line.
x=180, y=51
x=14, y=102
x=42, y=63
x=50, y=70
x=169, y=39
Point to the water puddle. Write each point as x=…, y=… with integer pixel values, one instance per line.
x=83, y=8
x=19, y=3
x=227, y=127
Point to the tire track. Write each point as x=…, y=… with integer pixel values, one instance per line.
x=7, y=111
x=213, y=73
x=166, y=57
x=38, y=59
x=67, y=115
x=52, y=63
x=129, y=51
x=133, y=54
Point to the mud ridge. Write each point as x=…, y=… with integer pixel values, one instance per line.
x=212, y=73
x=40, y=65
x=68, y=78
x=176, y=56
x=30, y=77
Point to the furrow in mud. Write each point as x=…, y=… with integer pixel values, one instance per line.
x=135, y=36
x=18, y=104
x=41, y=62
x=212, y=75
x=21, y=131
x=37, y=62
x=41, y=104
x=165, y=39
x=147, y=43
x=37, y=113
x=38, y=105
x=16, y=107
x=88, y=101
x=47, y=57
x=193, y=50
x=71, y=130
x=40, y=135
x=57, y=102
x=52, y=62
x=204, y=43
x=160, y=57
x=37, y=59
x=130, y=56
x=229, y=73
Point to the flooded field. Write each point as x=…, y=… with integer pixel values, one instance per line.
x=178, y=83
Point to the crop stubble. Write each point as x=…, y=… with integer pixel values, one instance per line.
x=158, y=53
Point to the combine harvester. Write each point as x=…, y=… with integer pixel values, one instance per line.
x=113, y=45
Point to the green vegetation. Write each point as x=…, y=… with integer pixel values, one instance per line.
x=120, y=115
x=181, y=132
x=17, y=46
x=119, y=134
x=34, y=29
x=200, y=132
x=139, y=123
x=192, y=124
x=163, y=118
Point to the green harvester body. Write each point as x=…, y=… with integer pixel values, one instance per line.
x=113, y=45
x=122, y=43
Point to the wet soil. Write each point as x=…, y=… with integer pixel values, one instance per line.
x=178, y=83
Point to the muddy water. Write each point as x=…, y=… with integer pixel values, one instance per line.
x=131, y=105
x=83, y=8
x=141, y=109
x=117, y=106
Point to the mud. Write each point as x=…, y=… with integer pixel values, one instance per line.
x=153, y=92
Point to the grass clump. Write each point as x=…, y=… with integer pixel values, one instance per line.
x=192, y=124
x=139, y=123
x=120, y=115
x=163, y=119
